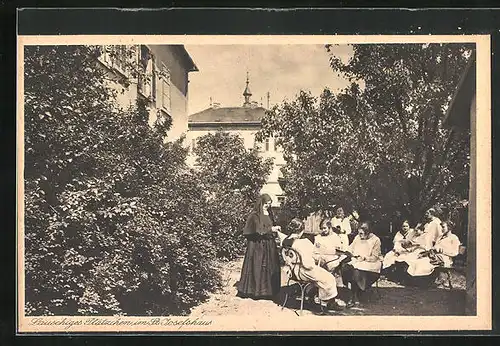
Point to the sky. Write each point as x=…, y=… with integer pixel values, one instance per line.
x=281, y=70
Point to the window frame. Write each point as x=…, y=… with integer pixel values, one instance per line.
x=146, y=76
x=165, y=80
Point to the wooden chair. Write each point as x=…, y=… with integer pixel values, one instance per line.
x=293, y=260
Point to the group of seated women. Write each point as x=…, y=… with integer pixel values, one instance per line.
x=359, y=263
x=416, y=253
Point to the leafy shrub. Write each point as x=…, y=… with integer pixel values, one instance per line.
x=379, y=145
x=233, y=177
x=115, y=223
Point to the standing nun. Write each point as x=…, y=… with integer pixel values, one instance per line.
x=261, y=272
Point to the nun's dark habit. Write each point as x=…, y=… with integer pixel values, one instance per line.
x=260, y=274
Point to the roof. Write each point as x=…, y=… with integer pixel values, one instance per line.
x=187, y=57
x=228, y=115
x=458, y=113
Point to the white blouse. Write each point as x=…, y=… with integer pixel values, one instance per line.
x=399, y=238
x=370, y=247
x=344, y=224
x=327, y=245
x=448, y=245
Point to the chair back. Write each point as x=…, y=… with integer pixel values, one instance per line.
x=293, y=260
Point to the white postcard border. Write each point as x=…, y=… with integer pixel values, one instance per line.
x=483, y=319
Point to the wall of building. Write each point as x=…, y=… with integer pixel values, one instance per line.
x=174, y=61
x=127, y=92
x=179, y=108
x=170, y=56
x=272, y=186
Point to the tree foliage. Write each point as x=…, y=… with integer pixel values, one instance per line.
x=232, y=177
x=114, y=222
x=379, y=145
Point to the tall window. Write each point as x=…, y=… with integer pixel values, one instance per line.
x=165, y=100
x=146, y=73
x=267, y=144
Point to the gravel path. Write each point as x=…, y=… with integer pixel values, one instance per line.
x=388, y=299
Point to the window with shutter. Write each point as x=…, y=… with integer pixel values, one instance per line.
x=165, y=96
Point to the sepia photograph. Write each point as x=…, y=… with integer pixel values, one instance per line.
x=253, y=183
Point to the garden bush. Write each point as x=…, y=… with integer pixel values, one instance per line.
x=115, y=223
x=232, y=177
x=379, y=145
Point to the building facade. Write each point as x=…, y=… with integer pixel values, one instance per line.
x=244, y=121
x=158, y=74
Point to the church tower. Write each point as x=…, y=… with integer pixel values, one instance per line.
x=247, y=93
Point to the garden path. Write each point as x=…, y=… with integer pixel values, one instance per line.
x=391, y=299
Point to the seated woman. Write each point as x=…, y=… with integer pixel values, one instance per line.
x=327, y=252
x=440, y=255
x=364, y=268
x=403, y=245
x=308, y=270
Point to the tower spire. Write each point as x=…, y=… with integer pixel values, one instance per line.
x=247, y=93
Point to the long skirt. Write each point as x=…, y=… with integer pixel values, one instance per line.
x=261, y=272
x=362, y=279
x=321, y=278
x=390, y=259
x=416, y=266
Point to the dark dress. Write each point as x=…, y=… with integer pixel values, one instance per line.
x=359, y=279
x=261, y=273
